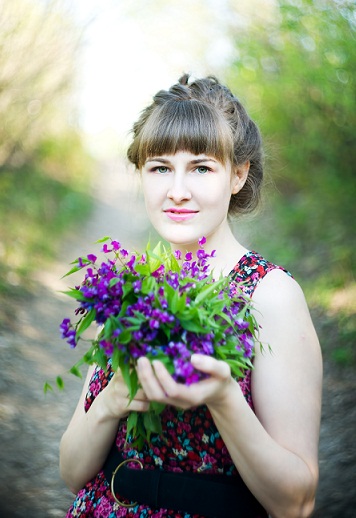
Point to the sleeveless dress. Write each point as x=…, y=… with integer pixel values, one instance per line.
x=191, y=439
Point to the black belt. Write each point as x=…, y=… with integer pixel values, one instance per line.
x=213, y=496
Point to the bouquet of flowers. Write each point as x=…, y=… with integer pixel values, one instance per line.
x=159, y=304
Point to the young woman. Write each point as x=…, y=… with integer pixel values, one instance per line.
x=229, y=448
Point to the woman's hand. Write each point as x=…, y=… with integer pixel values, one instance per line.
x=158, y=384
x=116, y=401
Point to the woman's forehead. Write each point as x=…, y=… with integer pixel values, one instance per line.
x=183, y=154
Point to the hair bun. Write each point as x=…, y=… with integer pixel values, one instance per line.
x=183, y=80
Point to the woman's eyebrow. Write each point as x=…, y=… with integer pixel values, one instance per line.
x=202, y=159
x=157, y=159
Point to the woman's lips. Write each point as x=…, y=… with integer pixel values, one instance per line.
x=180, y=214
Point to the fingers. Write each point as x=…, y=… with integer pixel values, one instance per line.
x=141, y=395
x=138, y=406
x=150, y=379
x=217, y=368
x=120, y=400
x=159, y=385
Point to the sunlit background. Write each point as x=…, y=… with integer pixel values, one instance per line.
x=135, y=48
x=74, y=76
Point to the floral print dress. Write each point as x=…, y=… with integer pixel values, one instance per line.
x=191, y=441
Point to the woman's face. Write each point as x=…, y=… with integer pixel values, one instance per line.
x=187, y=197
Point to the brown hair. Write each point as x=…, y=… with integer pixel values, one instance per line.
x=202, y=117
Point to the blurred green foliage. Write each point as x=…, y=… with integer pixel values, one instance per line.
x=295, y=70
x=39, y=202
x=45, y=172
x=297, y=75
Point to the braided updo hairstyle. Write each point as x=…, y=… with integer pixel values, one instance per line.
x=202, y=117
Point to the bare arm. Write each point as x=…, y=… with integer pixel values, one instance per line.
x=278, y=454
x=275, y=450
x=89, y=436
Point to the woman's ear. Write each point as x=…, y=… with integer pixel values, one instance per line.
x=240, y=174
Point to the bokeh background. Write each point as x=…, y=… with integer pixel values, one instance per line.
x=73, y=78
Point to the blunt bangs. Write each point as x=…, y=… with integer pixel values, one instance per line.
x=186, y=125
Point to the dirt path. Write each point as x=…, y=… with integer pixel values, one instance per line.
x=32, y=424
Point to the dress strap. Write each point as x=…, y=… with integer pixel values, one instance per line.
x=251, y=269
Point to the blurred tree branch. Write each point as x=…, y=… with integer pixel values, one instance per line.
x=39, y=44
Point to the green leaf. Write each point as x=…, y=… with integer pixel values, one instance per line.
x=86, y=321
x=137, y=320
x=114, y=281
x=116, y=358
x=123, y=309
x=97, y=356
x=75, y=294
x=148, y=285
x=152, y=423
x=133, y=384
x=103, y=239
x=207, y=291
x=125, y=337
x=60, y=383
x=142, y=269
x=190, y=325
x=125, y=371
x=127, y=289
x=47, y=387
x=75, y=370
x=174, y=302
x=182, y=303
x=132, y=423
x=156, y=407
x=107, y=331
x=71, y=271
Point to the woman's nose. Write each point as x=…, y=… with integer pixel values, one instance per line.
x=178, y=190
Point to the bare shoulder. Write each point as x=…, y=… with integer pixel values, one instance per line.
x=282, y=312
x=278, y=288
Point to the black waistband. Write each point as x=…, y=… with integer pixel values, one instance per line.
x=212, y=496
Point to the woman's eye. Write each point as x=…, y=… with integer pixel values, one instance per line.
x=161, y=169
x=202, y=169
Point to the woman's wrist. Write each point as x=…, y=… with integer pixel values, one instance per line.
x=106, y=409
x=222, y=400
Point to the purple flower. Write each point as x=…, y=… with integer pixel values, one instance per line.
x=202, y=241
x=65, y=324
x=115, y=245
x=68, y=332
x=154, y=324
x=247, y=343
x=241, y=324
x=173, y=280
x=137, y=335
x=131, y=262
x=188, y=256
x=201, y=254
x=137, y=285
x=107, y=346
x=159, y=272
x=92, y=258
x=178, y=254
